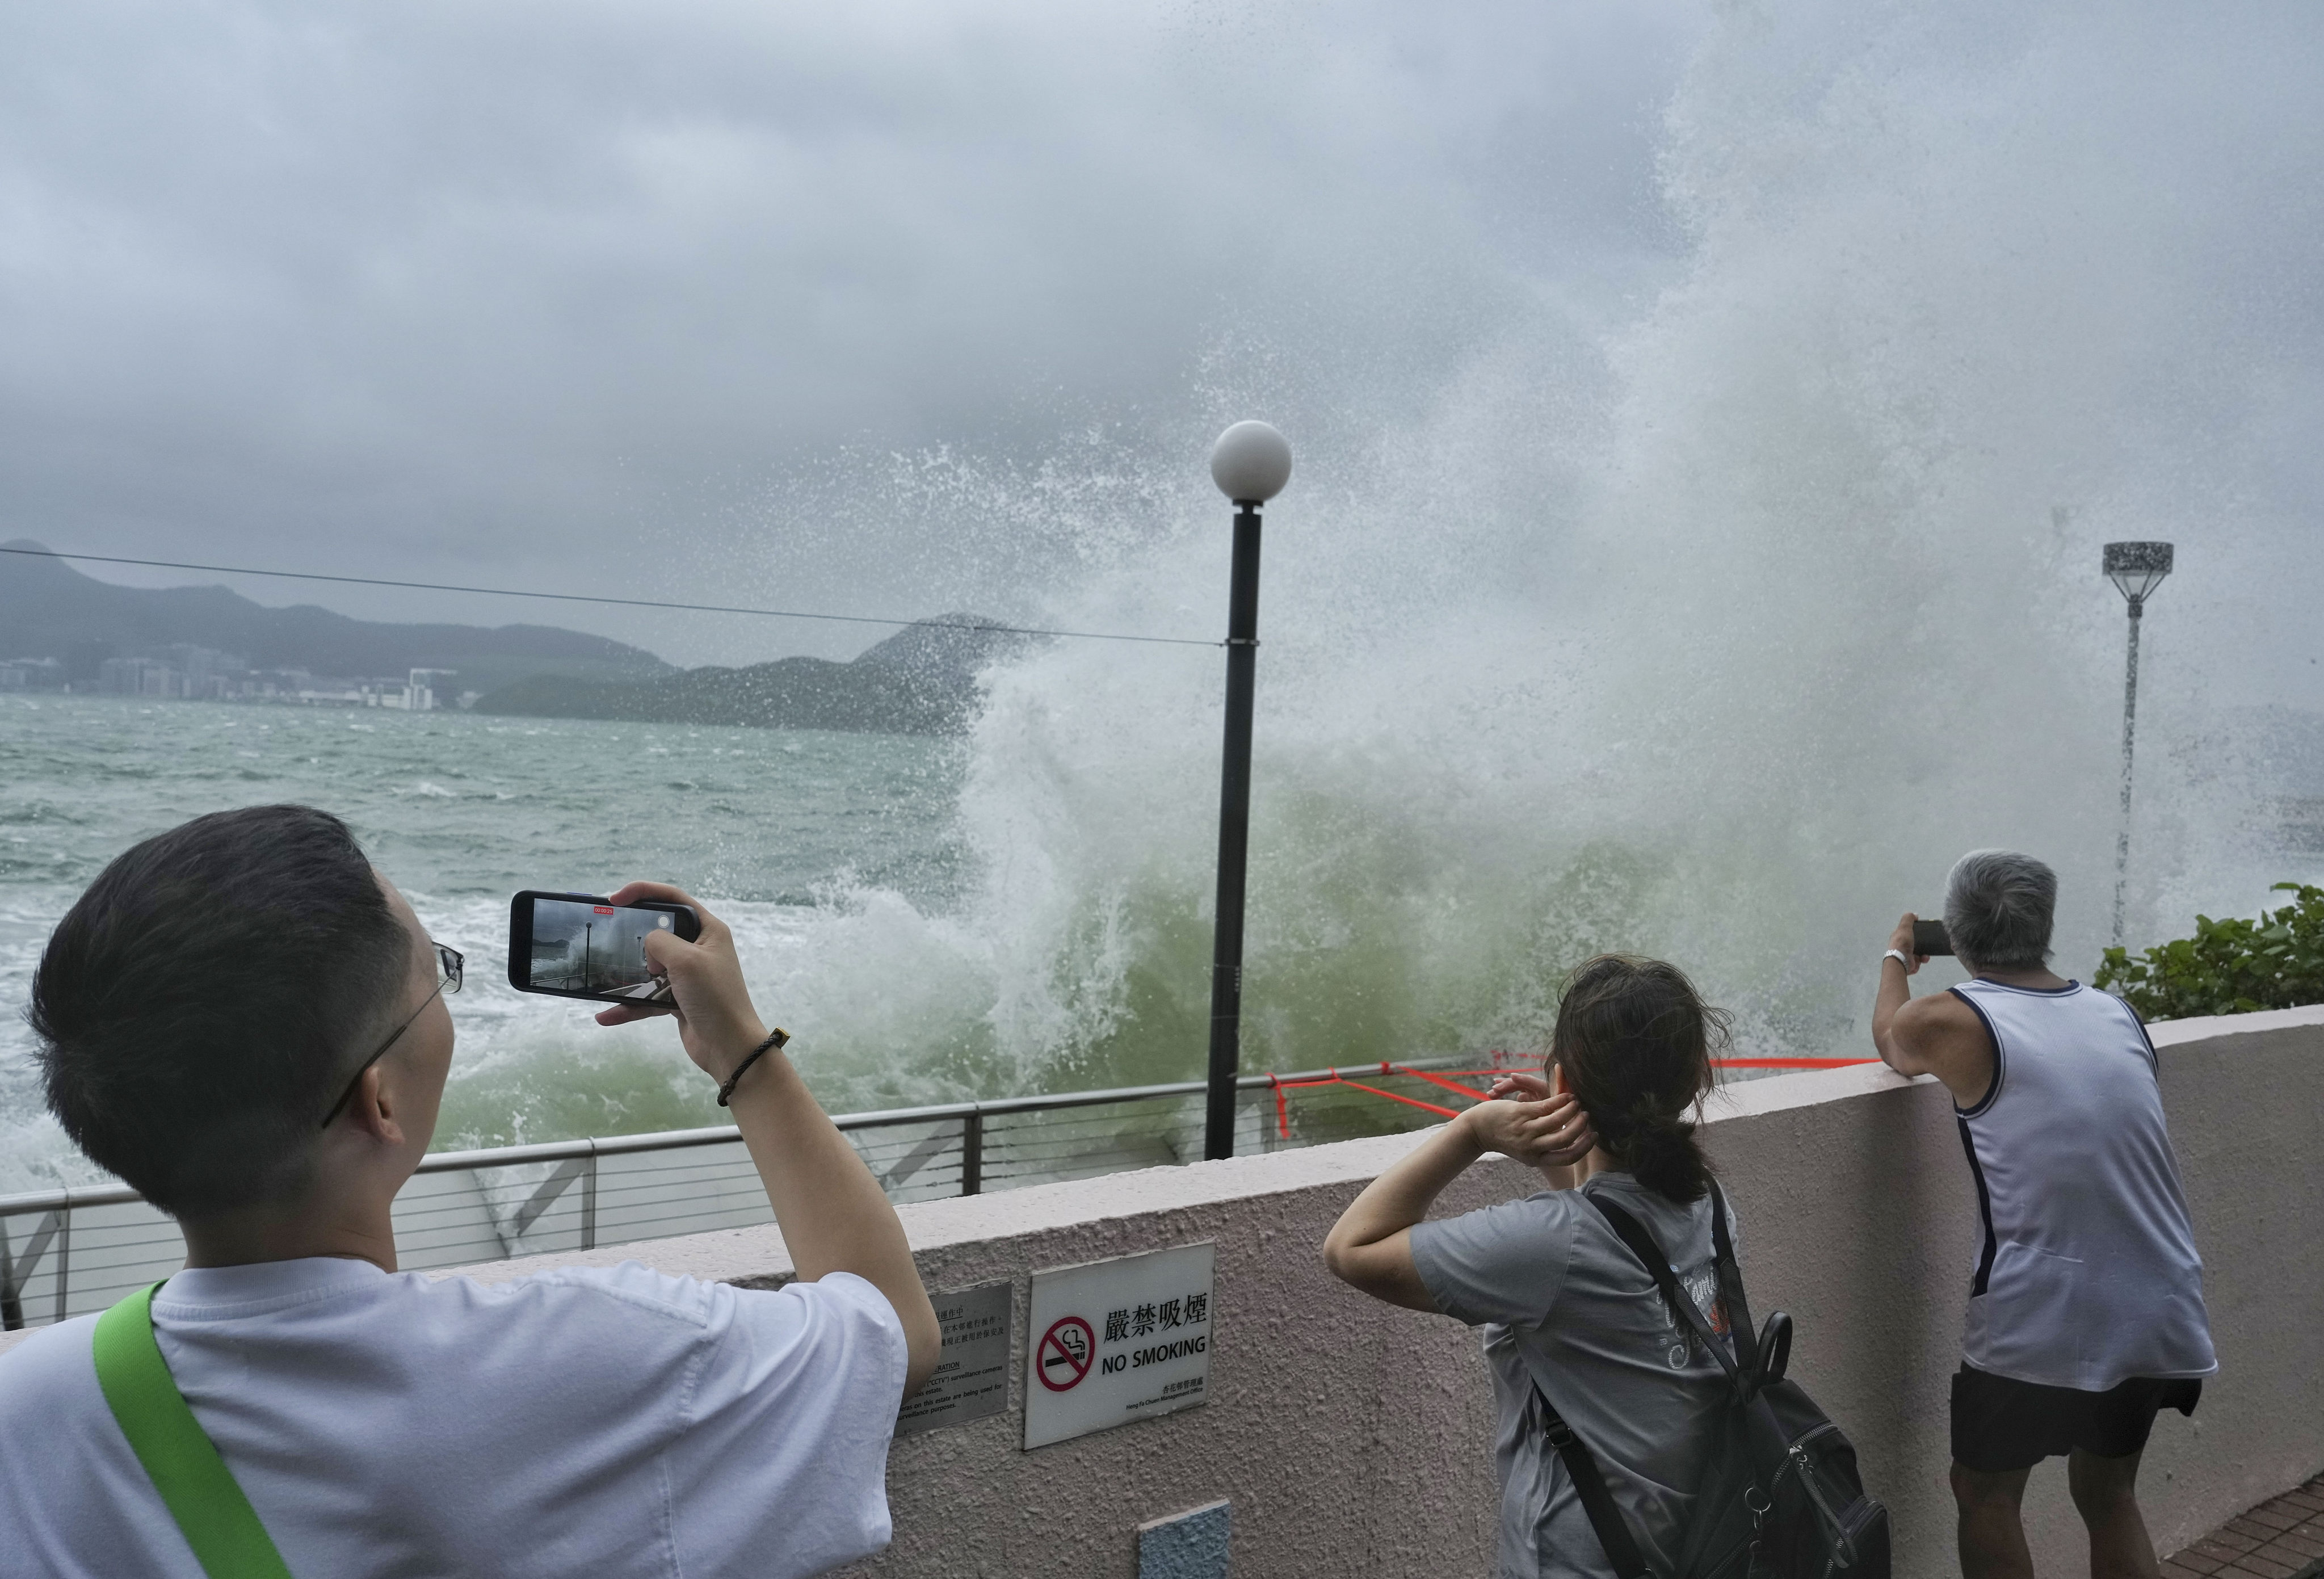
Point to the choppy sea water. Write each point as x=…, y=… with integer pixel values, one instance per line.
x=1023, y=909
x=771, y=829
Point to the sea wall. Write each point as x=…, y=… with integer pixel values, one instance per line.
x=1354, y=1439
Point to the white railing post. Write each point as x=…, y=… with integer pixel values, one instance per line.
x=589, y=1200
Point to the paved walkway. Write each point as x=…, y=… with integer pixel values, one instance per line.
x=2280, y=1539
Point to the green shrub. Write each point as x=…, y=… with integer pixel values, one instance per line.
x=2228, y=968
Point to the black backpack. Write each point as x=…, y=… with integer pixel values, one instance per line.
x=1779, y=1497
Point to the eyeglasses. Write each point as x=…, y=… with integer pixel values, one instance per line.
x=451, y=963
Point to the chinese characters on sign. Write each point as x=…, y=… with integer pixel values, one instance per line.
x=972, y=1379
x=1193, y=1310
x=1118, y=1340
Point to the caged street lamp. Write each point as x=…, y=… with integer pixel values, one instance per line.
x=1250, y=463
x=2137, y=569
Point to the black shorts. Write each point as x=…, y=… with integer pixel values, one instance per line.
x=2001, y=1425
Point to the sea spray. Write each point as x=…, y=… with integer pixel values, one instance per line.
x=1718, y=631
x=1712, y=624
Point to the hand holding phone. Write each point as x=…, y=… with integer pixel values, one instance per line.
x=579, y=945
x=706, y=994
x=1910, y=941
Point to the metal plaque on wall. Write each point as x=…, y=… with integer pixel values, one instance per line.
x=972, y=1379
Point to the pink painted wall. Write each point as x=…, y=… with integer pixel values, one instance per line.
x=1354, y=1439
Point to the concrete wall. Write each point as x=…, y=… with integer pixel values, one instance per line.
x=1355, y=1438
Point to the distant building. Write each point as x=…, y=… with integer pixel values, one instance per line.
x=279, y=684
x=419, y=692
x=209, y=675
x=338, y=693
x=139, y=676
x=201, y=673
x=187, y=672
x=32, y=674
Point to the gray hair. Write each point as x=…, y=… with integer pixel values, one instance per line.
x=1998, y=906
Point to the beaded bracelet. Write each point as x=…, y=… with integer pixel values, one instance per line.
x=777, y=1039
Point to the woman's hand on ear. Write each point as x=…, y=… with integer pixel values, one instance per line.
x=1552, y=1131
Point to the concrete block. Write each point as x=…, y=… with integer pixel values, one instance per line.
x=1191, y=1545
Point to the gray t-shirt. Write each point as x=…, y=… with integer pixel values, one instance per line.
x=1563, y=1303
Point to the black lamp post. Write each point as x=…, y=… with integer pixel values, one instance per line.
x=2137, y=568
x=1250, y=463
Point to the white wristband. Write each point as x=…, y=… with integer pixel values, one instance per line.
x=1898, y=955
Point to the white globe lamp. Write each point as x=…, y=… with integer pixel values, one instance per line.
x=1250, y=463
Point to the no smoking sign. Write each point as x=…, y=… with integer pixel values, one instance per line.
x=1064, y=1353
x=1120, y=1340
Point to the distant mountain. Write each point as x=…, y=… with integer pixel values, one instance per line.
x=50, y=610
x=922, y=680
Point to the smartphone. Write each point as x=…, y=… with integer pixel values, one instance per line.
x=1929, y=937
x=579, y=945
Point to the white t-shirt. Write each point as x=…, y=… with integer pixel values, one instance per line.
x=606, y=1422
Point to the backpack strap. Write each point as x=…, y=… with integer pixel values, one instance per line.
x=1613, y=1531
x=1643, y=1245
x=1606, y=1520
x=201, y=1492
x=1730, y=1286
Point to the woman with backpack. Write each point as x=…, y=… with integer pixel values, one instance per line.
x=1570, y=1312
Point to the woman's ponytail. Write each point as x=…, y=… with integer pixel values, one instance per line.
x=1667, y=1159
x=1635, y=1043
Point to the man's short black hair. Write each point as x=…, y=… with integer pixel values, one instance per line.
x=200, y=1004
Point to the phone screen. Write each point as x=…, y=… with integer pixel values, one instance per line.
x=1929, y=937
x=577, y=946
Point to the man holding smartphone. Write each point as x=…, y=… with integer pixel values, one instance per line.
x=2086, y=1313
x=245, y=1021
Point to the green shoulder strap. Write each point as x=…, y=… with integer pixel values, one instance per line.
x=199, y=1491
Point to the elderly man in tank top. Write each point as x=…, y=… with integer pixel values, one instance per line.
x=2085, y=1310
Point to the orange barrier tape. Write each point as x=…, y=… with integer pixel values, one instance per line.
x=1283, y=1103
x=1531, y=1065
x=1440, y=1080
x=1450, y=1113
x=1790, y=1063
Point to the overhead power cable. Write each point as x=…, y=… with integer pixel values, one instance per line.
x=699, y=608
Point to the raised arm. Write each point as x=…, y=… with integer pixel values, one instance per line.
x=1370, y=1248
x=1937, y=1035
x=834, y=1214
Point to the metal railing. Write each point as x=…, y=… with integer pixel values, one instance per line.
x=69, y=1252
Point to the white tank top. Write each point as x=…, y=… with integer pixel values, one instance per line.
x=2087, y=1274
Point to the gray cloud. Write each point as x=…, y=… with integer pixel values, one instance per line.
x=690, y=300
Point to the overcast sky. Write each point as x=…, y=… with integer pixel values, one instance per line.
x=738, y=301
x=904, y=306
